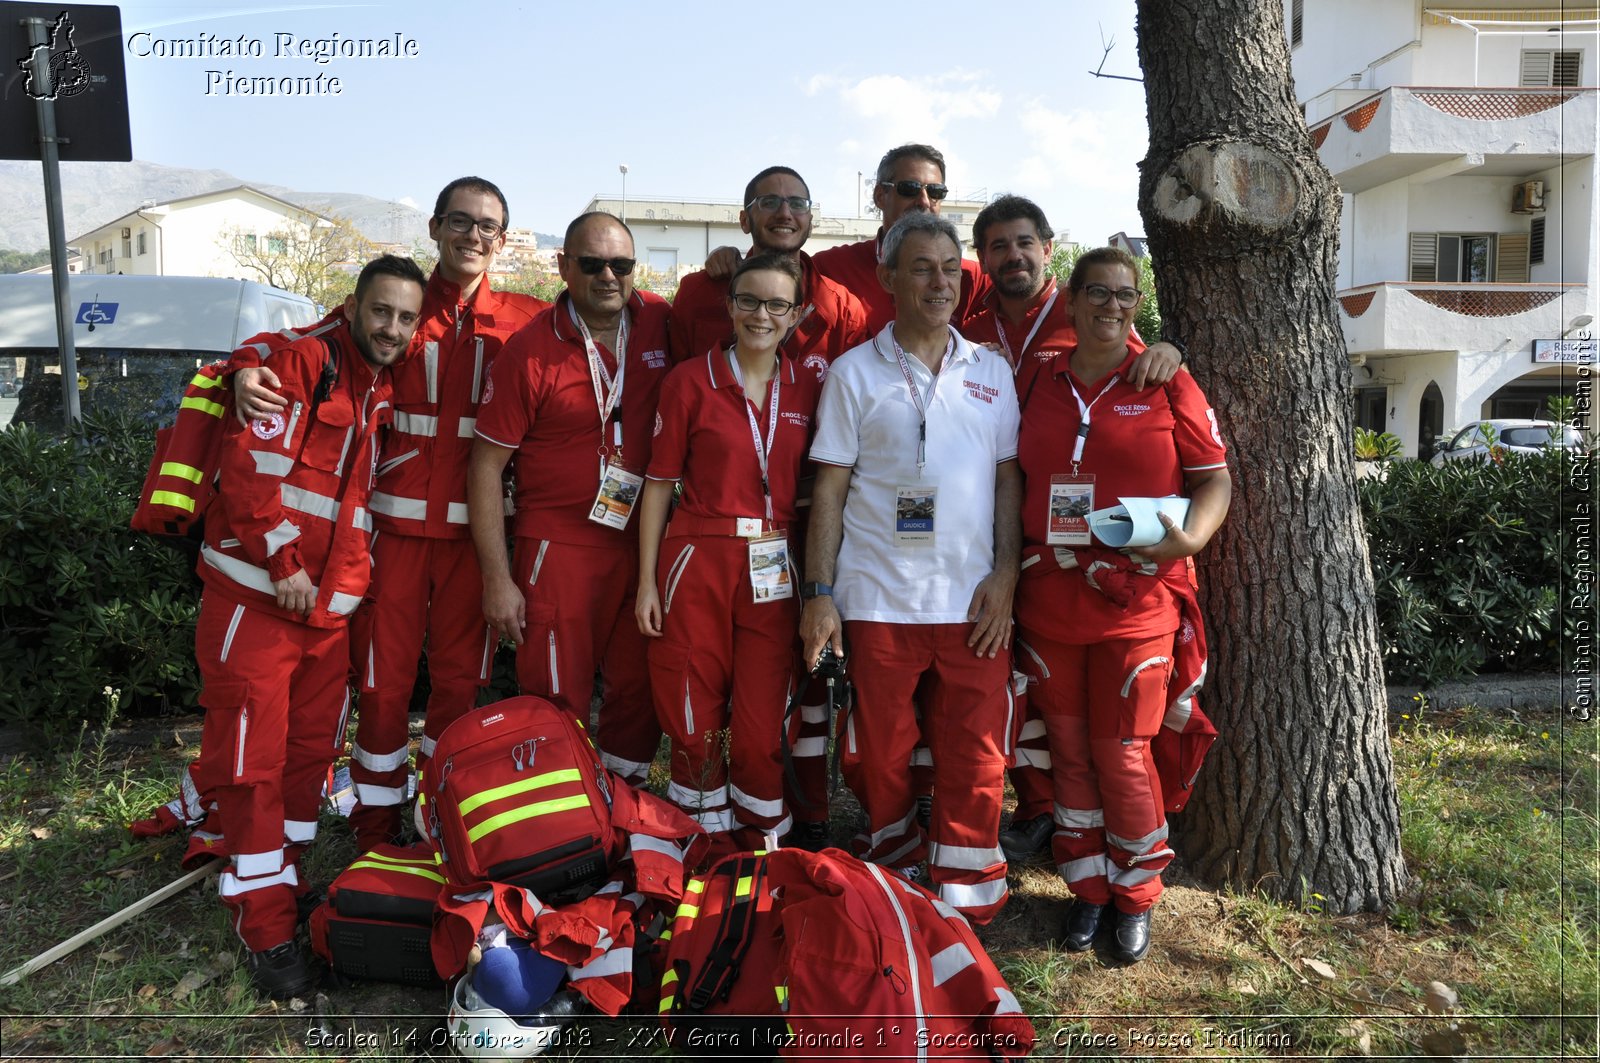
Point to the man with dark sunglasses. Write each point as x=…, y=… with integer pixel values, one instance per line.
x=777, y=215
x=910, y=177
x=573, y=397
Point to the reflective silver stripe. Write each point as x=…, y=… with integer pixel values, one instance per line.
x=361, y=519
x=244, y=734
x=538, y=562
x=1079, y=818
x=467, y=428
x=1031, y=729
x=310, y=503
x=342, y=604
x=488, y=653
x=628, y=769
x=271, y=463
x=895, y=858
x=951, y=961
x=380, y=796
x=755, y=805
x=922, y=757
x=643, y=843
x=555, y=669
x=241, y=572
x=688, y=707
x=1011, y=714
x=231, y=885
x=372, y=668
x=456, y=513
x=684, y=797
x=344, y=451
x=893, y=829
x=1127, y=878
x=606, y=965
x=477, y=369
x=1008, y=1003
x=811, y=747
x=713, y=822
x=1127, y=684
x=227, y=645
x=1138, y=845
x=1044, y=673
x=959, y=895
x=1033, y=758
x=429, y=744
x=416, y=424
x=964, y=857
x=1085, y=867
x=392, y=462
x=294, y=419
x=396, y=506
x=300, y=831
x=281, y=536
x=914, y=976
x=378, y=761
x=674, y=574
x=430, y=363
x=254, y=865
x=194, y=811
x=344, y=724
x=1031, y=559
x=814, y=713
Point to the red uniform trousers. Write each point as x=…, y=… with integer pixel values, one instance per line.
x=808, y=804
x=421, y=588
x=276, y=705
x=966, y=716
x=1030, y=776
x=1102, y=703
x=723, y=663
x=580, y=618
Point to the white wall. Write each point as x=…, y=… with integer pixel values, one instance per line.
x=195, y=236
x=1378, y=248
x=1335, y=32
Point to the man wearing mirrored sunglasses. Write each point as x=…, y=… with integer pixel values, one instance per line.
x=573, y=398
x=419, y=505
x=910, y=177
x=777, y=214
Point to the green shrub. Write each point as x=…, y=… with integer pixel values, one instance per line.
x=1468, y=564
x=85, y=602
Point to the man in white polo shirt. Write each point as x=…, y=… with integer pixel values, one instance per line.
x=912, y=558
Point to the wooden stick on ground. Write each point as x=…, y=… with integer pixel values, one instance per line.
x=83, y=937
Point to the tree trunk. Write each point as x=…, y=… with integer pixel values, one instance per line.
x=1297, y=799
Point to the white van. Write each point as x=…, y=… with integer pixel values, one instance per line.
x=138, y=338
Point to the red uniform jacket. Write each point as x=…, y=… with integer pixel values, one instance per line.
x=294, y=487
x=831, y=319
x=856, y=267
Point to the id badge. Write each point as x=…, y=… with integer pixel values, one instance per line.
x=1071, y=502
x=914, y=514
x=770, y=580
x=619, y=490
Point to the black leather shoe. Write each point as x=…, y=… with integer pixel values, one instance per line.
x=1132, y=937
x=281, y=972
x=1082, y=925
x=810, y=836
x=1026, y=838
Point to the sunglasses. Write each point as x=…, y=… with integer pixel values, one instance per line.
x=910, y=189
x=620, y=267
x=771, y=202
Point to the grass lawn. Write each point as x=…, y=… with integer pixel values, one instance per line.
x=1500, y=835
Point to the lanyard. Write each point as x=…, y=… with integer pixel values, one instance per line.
x=763, y=453
x=607, y=389
x=1015, y=357
x=1083, y=417
x=916, y=396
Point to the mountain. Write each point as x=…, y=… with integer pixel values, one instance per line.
x=94, y=193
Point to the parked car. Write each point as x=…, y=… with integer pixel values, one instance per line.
x=1519, y=435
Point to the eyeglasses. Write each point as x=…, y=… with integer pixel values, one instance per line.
x=775, y=307
x=797, y=204
x=463, y=223
x=621, y=267
x=910, y=189
x=1100, y=295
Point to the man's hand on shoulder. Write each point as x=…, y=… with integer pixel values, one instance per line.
x=722, y=261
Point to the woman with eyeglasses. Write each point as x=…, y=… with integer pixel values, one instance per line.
x=718, y=588
x=1105, y=632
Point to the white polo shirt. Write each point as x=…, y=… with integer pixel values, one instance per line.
x=867, y=420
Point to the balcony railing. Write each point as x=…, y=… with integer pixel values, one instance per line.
x=1468, y=300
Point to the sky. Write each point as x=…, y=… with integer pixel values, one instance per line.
x=549, y=99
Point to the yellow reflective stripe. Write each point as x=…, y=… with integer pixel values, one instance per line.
x=178, y=468
x=549, y=778
x=404, y=870
x=670, y=976
x=743, y=887
x=517, y=815
x=665, y=1006
x=172, y=498
x=687, y=911
x=205, y=380
x=666, y=935
x=696, y=885
x=421, y=861
x=203, y=405
x=783, y=993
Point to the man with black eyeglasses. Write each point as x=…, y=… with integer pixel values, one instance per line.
x=420, y=506
x=777, y=215
x=573, y=397
x=910, y=177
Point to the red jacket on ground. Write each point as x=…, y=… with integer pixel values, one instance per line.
x=856, y=267
x=294, y=487
x=831, y=319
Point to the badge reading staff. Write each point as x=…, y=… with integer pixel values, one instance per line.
x=1071, y=502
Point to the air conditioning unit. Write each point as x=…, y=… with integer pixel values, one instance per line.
x=1527, y=198
x=126, y=232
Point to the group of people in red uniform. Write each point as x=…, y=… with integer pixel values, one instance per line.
x=869, y=446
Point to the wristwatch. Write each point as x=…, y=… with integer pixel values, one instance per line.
x=812, y=589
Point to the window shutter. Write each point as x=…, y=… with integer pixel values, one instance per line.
x=1565, y=68
x=1449, y=258
x=1535, y=70
x=1536, y=241
x=1424, y=257
x=1297, y=19
x=1511, y=258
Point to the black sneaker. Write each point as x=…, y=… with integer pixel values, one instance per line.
x=280, y=972
x=1026, y=838
x=925, y=810
x=812, y=837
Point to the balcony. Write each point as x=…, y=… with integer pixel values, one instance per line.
x=1428, y=133
x=1406, y=317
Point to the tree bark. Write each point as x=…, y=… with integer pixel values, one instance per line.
x=1297, y=799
